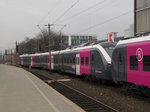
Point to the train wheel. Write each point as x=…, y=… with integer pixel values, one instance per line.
x=86, y=77
x=145, y=91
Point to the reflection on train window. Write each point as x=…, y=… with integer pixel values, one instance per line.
x=146, y=63
x=82, y=60
x=133, y=63
x=87, y=61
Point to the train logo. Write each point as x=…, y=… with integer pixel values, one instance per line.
x=139, y=54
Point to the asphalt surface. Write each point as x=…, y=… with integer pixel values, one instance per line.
x=20, y=91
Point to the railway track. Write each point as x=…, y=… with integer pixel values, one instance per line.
x=85, y=102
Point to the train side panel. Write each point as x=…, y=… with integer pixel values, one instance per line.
x=26, y=61
x=138, y=63
x=45, y=61
x=68, y=62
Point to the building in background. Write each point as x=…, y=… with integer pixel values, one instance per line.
x=142, y=16
x=129, y=32
x=75, y=40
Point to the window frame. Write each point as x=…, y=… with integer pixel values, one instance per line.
x=133, y=63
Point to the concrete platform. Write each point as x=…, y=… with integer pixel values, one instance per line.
x=21, y=91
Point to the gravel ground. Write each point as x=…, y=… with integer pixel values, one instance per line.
x=111, y=95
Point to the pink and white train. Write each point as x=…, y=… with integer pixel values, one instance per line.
x=131, y=63
x=127, y=62
x=90, y=61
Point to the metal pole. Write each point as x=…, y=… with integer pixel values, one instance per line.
x=135, y=18
x=61, y=36
x=61, y=40
x=49, y=38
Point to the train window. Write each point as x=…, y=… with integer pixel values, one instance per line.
x=74, y=60
x=67, y=60
x=70, y=60
x=120, y=58
x=82, y=60
x=59, y=60
x=56, y=60
x=92, y=58
x=133, y=63
x=64, y=60
x=87, y=61
x=146, y=63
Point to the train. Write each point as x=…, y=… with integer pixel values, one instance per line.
x=126, y=62
x=131, y=64
x=90, y=61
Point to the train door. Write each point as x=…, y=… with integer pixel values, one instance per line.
x=97, y=66
x=121, y=75
x=78, y=64
x=52, y=62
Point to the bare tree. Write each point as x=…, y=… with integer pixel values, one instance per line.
x=40, y=43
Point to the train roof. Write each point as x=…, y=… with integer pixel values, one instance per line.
x=133, y=40
x=46, y=53
x=98, y=46
x=37, y=54
x=25, y=55
x=108, y=44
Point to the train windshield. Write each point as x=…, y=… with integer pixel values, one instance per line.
x=109, y=47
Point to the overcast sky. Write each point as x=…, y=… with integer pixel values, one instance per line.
x=19, y=18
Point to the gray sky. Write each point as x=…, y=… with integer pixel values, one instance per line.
x=19, y=18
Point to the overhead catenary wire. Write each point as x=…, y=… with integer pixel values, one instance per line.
x=66, y=11
x=105, y=6
x=111, y=19
x=85, y=10
x=100, y=8
x=50, y=12
x=35, y=26
x=89, y=7
x=97, y=4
